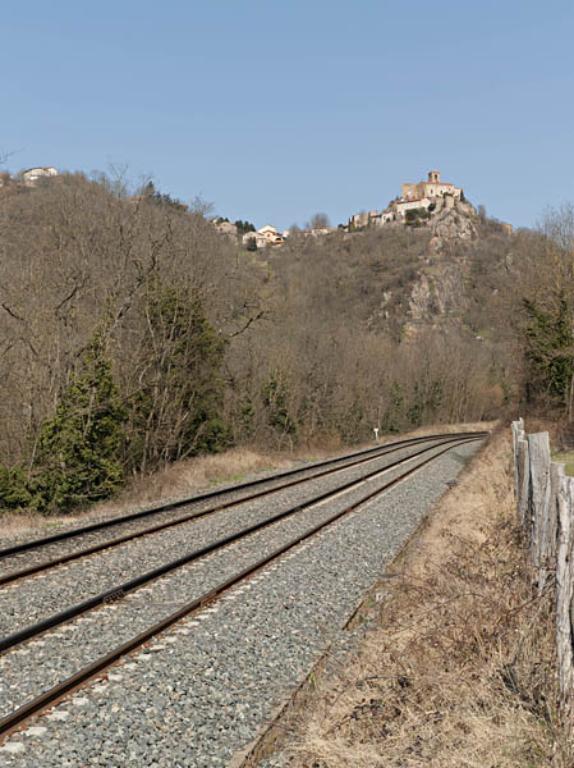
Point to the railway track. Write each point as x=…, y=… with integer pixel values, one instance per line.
x=435, y=447
x=249, y=491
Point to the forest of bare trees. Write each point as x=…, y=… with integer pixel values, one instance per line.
x=133, y=335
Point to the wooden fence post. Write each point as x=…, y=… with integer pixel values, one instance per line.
x=545, y=504
x=565, y=593
x=539, y=507
x=523, y=467
x=551, y=545
x=517, y=433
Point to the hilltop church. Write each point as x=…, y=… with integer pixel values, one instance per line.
x=432, y=188
x=432, y=195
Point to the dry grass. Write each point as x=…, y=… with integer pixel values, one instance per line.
x=179, y=480
x=471, y=426
x=566, y=458
x=457, y=670
x=184, y=478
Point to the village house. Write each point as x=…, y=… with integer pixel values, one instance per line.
x=364, y=219
x=401, y=207
x=318, y=231
x=226, y=228
x=31, y=176
x=265, y=236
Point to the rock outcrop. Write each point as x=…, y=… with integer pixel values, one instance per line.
x=452, y=224
x=438, y=294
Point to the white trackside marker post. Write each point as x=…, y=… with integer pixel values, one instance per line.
x=376, y=431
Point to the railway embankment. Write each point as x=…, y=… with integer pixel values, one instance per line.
x=190, y=477
x=451, y=659
x=188, y=666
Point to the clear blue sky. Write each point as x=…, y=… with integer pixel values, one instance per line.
x=277, y=109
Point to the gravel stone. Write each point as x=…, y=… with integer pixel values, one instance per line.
x=58, y=655
x=206, y=694
x=23, y=603
x=13, y=747
x=225, y=493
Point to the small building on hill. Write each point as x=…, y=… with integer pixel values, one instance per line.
x=32, y=176
x=226, y=228
x=263, y=237
x=433, y=187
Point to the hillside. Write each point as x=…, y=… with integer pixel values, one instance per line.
x=401, y=277
x=183, y=342
x=450, y=278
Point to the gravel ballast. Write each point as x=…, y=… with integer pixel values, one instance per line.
x=205, y=687
x=42, y=663
x=41, y=595
x=118, y=525
x=224, y=494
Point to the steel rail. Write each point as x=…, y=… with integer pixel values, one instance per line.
x=40, y=567
x=121, y=590
x=57, y=692
x=121, y=519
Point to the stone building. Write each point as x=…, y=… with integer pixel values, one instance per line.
x=226, y=228
x=431, y=197
x=433, y=187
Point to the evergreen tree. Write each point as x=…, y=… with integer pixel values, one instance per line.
x=178, y=411
x=394, y=417
x=14, y=492
x=79, y=449
x=244, y=226
x=549, y=349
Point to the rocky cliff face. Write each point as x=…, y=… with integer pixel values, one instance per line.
x=453, y=224
x=437, y=295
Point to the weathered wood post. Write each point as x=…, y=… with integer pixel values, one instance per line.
x=545, y=505
x=517, y=433
x=539, y=522
x=521, y=472
x=565, y=594
x=523, y=467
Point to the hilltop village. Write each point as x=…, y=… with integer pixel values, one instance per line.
x=419, y=204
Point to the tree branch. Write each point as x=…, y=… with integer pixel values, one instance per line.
x=251, y=320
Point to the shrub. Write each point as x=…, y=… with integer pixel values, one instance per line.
x=79, y=449
x=14, y=492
